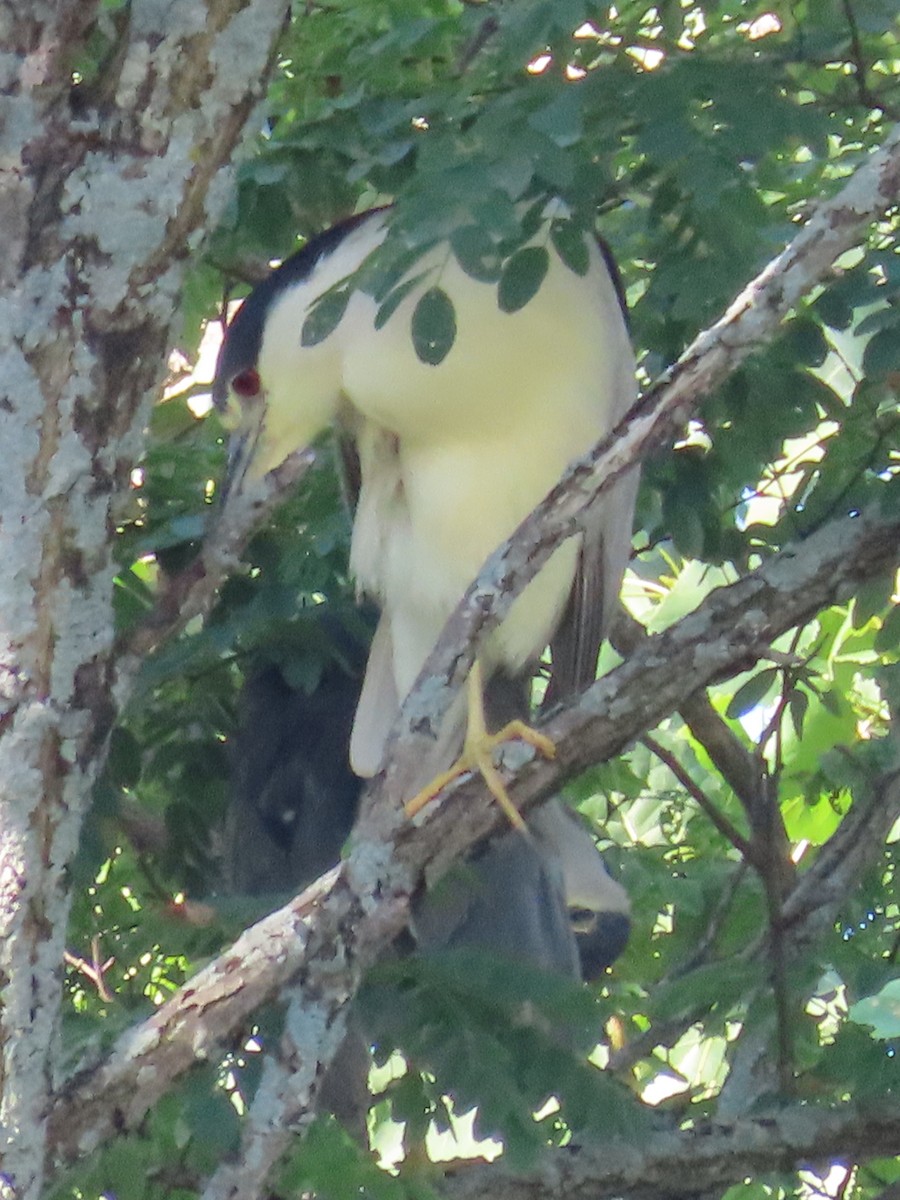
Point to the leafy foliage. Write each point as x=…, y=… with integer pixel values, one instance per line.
x=693, y=138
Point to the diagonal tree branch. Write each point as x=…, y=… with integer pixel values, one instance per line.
x=747, y=848
x=355, y=911
x=729, y=631
x=193, y=590
x=737, y=765
x=280, y=1109
x=106, y=181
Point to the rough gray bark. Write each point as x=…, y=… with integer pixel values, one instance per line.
x=106, y=187
x=706, y=1160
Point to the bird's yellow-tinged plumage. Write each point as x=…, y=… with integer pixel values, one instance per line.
x=452, y=456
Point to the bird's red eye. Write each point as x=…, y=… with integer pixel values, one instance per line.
x=246, y=384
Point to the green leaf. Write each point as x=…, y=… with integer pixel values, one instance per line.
x=124, y=763
x=798, y=703
x=751, y=693
x=325, y=316
x=814, y=821
x=395, y=298
x=522, y=276
x=433, y=326
x=882, y=355
x=888, y=636
x=387, y=268
x=328, y=1163
x=714, y=984
x=685, y=525
x=171, y=419
x=561, y=119
x=210, y=1119
x=476, y=252
x=834, y=309
x=131, y=599
x=804, y=340
x=571, y=246
x=125, y=1165
x=858, y=1063
x=873, y=597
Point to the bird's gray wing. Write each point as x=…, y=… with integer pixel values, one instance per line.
x=576, y=643
x=508, y=901
x=606, y=542
x=544, y=898
x=592, y=602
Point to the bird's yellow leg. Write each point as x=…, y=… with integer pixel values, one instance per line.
x=477, y=750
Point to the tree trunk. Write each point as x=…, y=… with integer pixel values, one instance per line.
x=107, y=173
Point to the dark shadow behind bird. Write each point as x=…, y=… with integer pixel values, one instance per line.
x=294, y=798
x=544, y=901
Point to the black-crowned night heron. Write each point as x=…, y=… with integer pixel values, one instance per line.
x=452, y=457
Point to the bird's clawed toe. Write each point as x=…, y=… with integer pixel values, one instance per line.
x=477, y=755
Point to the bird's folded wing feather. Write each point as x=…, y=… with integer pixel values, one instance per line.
x=592, y=603
x=378, y=705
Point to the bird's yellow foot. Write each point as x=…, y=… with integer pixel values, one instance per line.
x=477, y=754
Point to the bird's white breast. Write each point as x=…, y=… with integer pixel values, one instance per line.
x=475, y=443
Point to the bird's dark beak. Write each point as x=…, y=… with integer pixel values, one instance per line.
x=242, y=419
x=242, y=446
x=239, y=455
x=600, y=945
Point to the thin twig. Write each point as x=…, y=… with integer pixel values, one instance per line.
x=92, y=969
x=721, y=822
x=867, y=97
x=486, y=30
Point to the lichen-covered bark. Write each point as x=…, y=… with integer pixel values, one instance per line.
x=705, y=1161
x=106, y=185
